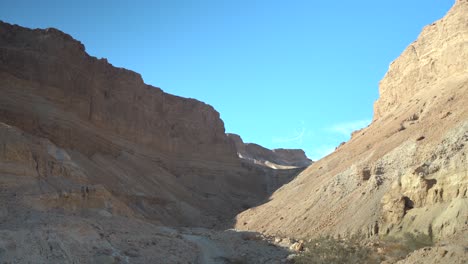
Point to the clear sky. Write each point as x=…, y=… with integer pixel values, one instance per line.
x=291, y=74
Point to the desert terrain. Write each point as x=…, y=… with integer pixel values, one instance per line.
x=98, y=167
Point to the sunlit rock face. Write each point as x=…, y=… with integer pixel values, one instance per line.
x=276, y=158
x=437, y=56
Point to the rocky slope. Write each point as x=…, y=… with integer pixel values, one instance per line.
x=408, y=170
x=97, y=239
x=275, y=159
x=80, y=134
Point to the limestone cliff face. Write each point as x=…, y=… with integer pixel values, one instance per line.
x=90, y=136
x=407, y=171
x=437, y=55
x=276, y=158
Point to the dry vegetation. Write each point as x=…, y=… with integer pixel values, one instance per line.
x=329, y=250
x=400, y=247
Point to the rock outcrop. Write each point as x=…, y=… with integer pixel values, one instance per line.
x=276, y=158
x=439, y=54
x=407, y=171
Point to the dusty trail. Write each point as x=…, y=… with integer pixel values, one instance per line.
x=209, y=251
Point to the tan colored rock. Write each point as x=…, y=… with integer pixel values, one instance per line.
x=447, y=254
x=297, y=246
x=437, y=55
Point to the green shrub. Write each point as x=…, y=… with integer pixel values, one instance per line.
x=328, y=250
x=399, y=247
x=416, y=241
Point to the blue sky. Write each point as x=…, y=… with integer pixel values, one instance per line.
x=291, y=74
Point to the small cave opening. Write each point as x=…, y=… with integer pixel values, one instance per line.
x=376, y=228
x=430, y=183
x=409, y=204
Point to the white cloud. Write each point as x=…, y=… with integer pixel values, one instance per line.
x=297, y=137
x=321, y=151
x=347, y=128
x=342, y=129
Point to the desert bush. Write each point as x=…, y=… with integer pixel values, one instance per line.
x=399, y=247
x=329, y=250
x=416, y=241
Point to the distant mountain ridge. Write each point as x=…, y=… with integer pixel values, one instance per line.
x=276, y=158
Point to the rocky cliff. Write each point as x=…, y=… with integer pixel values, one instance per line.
x=55, y=68
x=80, y=134
x=436, y=56
x=276, y=158
x=98, y=167
x=407, y=171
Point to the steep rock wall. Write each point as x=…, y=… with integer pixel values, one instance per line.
x=153, y=155
x=438, y=54
x=56, y=68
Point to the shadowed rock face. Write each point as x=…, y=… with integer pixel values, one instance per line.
x=407, y=171
x=278, y=166
x=276, y=158
x=84, y=135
